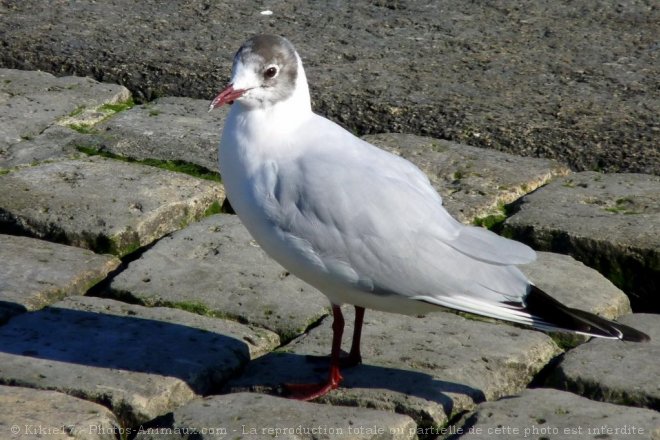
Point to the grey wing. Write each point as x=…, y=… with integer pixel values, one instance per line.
x=373, y=220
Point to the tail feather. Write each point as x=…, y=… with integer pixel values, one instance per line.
x=541, y=311
x=549, y=314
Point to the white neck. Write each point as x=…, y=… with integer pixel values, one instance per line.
x=248, y=130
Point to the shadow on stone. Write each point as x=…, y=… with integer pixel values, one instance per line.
x=371, y=386
x=90, y=339
x=9, y=309
x=138, y=361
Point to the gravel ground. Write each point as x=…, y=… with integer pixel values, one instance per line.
x=578, y=81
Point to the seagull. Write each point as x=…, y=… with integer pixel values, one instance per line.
x=363, y=226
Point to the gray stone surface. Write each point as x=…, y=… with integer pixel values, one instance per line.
x=577, y=285
x=141, y=362
x=102, y=204
x=216, y=265
x=554, y=415
x=624, y=373
x=30, y=102
x=55, y=142
x=146, y=362
x=608, y=221
x=429, y=368
x=261, y=417
x=35, y=414
x=577, y=81
x=35, y=273
x=474, y=182
x=167, y=129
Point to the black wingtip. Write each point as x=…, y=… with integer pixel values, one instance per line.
x=624, y=332
x=632, y=335
x=550, y=311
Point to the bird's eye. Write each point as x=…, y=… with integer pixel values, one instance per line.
x=270, y=72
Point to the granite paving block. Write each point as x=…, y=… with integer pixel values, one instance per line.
x=625, y=374
x=37, y=414
x=474, y=182
x=56, y=142
x=216, y=265
x=106, y=205
x=558, y=415
x=35, y=273
x=261, y=417
x=608, y=221
x=168, y=128
x=429, y=368
x=31, y=101
x=140, y=362
x=577, y=285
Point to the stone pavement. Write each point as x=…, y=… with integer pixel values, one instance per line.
x=574, y=81
x=608, y=221
x=131, y=306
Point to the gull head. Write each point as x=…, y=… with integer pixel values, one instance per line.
x=266, y=70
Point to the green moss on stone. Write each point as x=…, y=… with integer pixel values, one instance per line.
x=83, y=128
x=193, y=307
x=566, y=341
x=622, y=206
x=130, y=248
x=491, y=222
x=215, y=208
x=199, y=308
x=178, y=166
x=119, y=106
x=78, y=110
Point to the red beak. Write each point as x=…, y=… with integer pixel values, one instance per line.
x=227, y=96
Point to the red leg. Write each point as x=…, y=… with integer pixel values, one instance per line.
x=354, y=357
x=312, y=391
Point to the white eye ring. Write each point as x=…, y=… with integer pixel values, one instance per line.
x=271, y=71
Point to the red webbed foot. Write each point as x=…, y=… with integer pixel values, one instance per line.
x=311, y=391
